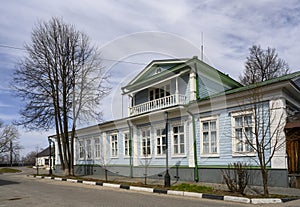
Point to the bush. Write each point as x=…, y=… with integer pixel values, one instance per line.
x=236, y=177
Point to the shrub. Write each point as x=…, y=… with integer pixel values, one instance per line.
x=236, y=177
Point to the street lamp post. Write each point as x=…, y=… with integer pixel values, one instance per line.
x=167, y=175
x=50, y=156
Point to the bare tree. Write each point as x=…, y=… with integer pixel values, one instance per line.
x=262, y=65
x=29, y=158
x=61, y=81
x=259, y=128
x=9, y=141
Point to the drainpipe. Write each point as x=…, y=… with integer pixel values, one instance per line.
x=130, y=149
x=197, y=81
x=196, y=173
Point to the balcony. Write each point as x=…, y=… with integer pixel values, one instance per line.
x=172, y=100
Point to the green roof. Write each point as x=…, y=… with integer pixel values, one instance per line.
x=175, y=66
x=260, y=84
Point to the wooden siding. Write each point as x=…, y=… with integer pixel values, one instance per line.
x=225, y=144
x=207, y=87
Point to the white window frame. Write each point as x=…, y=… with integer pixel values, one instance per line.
x=88, y=149
x=209, y=131
x=235, y=140
x=126, y=144
x=81, y=149
x=159, y=141
x=97, y=148
x=159, y=87
x=178, y=144
x=114, y=148
x=148, y=143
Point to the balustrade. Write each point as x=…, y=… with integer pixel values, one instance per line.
x=155, y=104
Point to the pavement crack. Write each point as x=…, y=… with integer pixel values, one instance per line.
x=14, y=199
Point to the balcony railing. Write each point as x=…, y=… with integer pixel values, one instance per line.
x=160, y=103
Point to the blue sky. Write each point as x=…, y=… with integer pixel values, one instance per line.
x=138, y=31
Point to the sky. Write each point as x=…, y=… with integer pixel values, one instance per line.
x=130, y=34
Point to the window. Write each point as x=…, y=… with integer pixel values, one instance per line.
x=114, y=145
x=88, y=149
x=81, y=150
x=243, y=132
x=160, y=92
x=126, y=144
x=178, y=140
x=97, y=147
x=161, y=141
x=209, y=136
x=146, y=142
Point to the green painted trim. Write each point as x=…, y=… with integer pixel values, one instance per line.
x=199, y=167
x=207, y=69
x=161, y=76
x=197, y=83
x=163, y=166
x=226, y=166
x=153, y=63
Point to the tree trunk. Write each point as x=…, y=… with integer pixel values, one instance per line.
x=264, y=173
x=106, y=175
x=72, y=150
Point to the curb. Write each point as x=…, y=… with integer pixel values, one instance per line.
x=174, y=192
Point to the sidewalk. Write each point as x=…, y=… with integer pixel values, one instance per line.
x=249, y=190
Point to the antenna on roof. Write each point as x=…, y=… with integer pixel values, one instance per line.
x=202, y=47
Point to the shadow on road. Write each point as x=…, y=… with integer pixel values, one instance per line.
x=7, y=182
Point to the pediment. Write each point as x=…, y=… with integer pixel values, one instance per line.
x=160, y=70
x=156, y=69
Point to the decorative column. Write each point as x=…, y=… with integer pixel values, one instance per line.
x=193, y=85
x=176, y=91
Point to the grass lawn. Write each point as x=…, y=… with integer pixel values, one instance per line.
x=9, y=170
x=192, y=188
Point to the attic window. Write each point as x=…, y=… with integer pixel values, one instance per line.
x=158, y=70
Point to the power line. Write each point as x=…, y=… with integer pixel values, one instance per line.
x=119, y=61
x=122, y=61
x=11, y=47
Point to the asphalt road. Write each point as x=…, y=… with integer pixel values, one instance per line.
x=20, y=190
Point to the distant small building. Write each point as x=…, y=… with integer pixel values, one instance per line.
x=43, y=158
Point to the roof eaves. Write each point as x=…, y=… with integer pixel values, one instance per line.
x=252, y=86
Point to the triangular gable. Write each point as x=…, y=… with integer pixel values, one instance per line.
x=159, y=70
x=154, y=69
